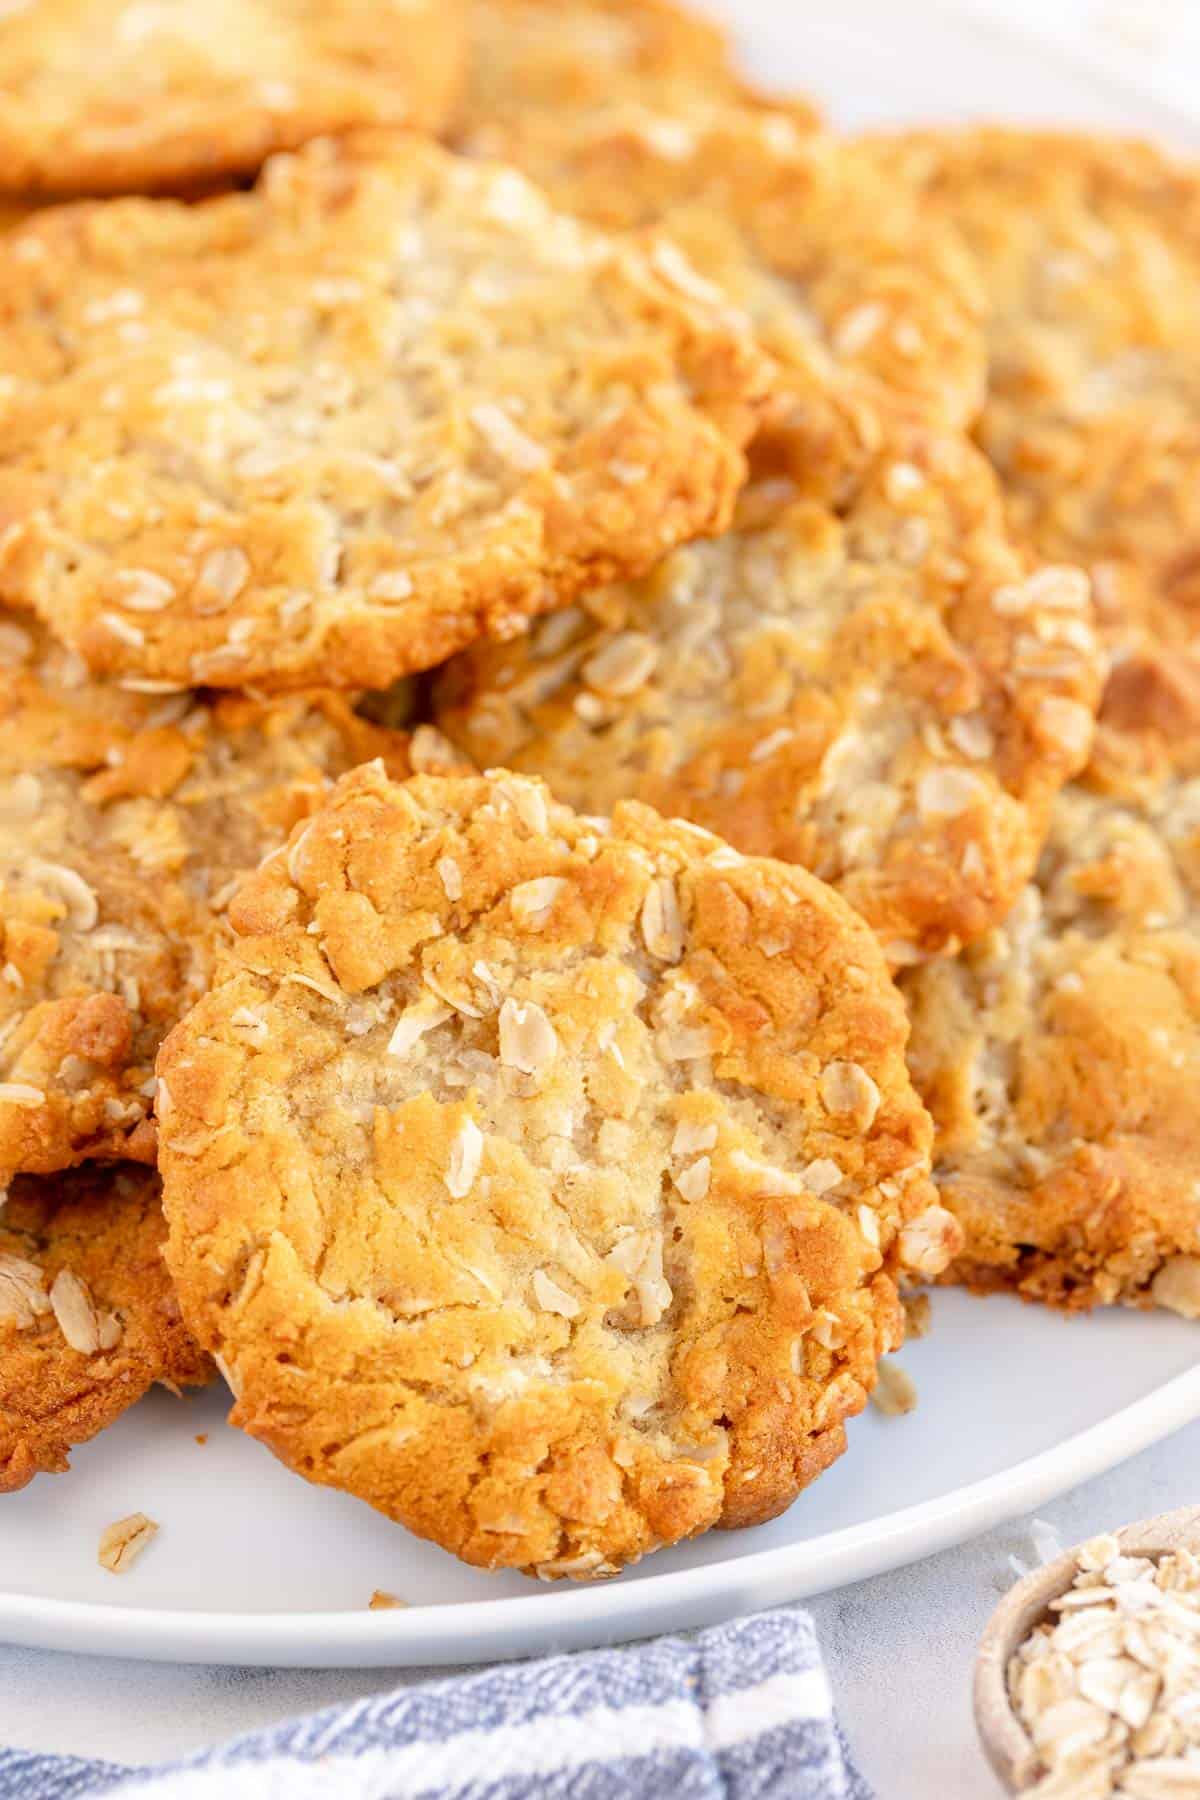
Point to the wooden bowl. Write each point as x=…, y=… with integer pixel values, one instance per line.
x=1006, y=1743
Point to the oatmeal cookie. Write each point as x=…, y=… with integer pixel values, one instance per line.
x=549, y=65
x=1060, y=1056
x=877, y=689
x=1087, y=252
x=544, y=1182
x=805, y=233
x=118, y=96
x=15, y=212
x=124, y=817
x=88, y=1317
x=331, y=430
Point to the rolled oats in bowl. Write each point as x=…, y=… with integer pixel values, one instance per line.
x=1108, y=1684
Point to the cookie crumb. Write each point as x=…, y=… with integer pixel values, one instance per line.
x=202, y=1437
x=382, y=1601
x=1047, y=1545
x=122, y=1542
x=918, y=1315
x=896, y=1391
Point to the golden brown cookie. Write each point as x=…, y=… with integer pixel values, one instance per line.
x=15, y=212
x=1087, y=253
x=541, y=1181
x=121, y=96
x=877, y=688
x=88, y=1316
x=1061, y=1055
x=807, y=234
x=124, y=818
x=550, y=64
x=331, y=430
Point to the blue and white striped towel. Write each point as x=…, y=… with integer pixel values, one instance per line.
x=741, y=1712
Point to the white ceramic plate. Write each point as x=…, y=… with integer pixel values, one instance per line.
x=253, y=1566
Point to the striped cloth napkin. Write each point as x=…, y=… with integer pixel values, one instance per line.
x=741, y=1712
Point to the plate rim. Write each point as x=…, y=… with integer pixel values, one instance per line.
x=475, y=1631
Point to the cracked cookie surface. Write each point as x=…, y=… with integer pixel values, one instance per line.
x=1060, y=1055
x=875, y=687
x=1087, y=253
x=545, y=1184
x=119, y=96
x=88, y=1317
x=124, y=817
x=330, y=430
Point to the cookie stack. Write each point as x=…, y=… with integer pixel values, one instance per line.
x=551, y=605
